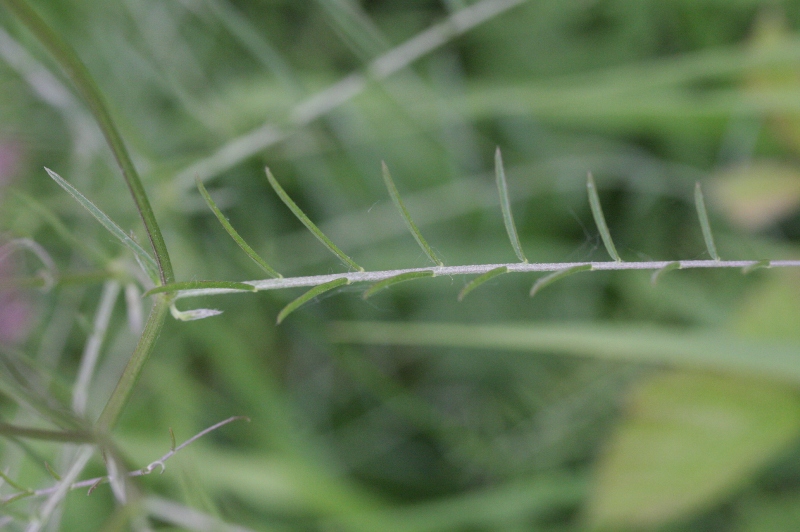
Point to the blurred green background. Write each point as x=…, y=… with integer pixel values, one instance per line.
x=602, y=403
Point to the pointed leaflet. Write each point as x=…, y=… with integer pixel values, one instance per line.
x=233, y=233
x=148, y=263
x=311, y=294
x=505, y=205
x=398, y=202
x=380, y=285
x=555, y=276
x=309, y=224
x=705, y=225
x=475, y=283
x=661, y=271
x=599, y=219
x=196, y=285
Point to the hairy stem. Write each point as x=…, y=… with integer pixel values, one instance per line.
x=479, y=269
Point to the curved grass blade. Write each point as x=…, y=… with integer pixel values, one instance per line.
x=661, y=271
x=555, y=276
x=144, y=258
x=505, y=205
x=756, y=266
x=475, y=283
x=398, y=202
x=234, y=234
x=311, y=294
x=380, y=285
x=193, y=285
x=705, y=225
x=309, y=224
x=599, y=219
x=77, y=72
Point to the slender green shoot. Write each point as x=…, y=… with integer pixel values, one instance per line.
x=119, y=397
x=72, y=65
x=505, y=205
x=234, y=234
x=144, y=258
x=475, y=283
x=705, y=225
x=398, y=202
x=380, y=285
x=555, y=276
x=311, y=294
x=661, y=271
x=756, y=266
x=599, y=219
x=15, y=485
x=309, y=224
x=195, y=285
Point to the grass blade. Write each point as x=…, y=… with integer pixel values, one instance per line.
x=309, y=224
x=311, y=294
x=705, y=225
x=599, y=219
x=193, y=285
x=555, y=276
x=77, y=72
x=398, y=202
x=380, y=285
x=234, y=234
x=505, y=205
x=144, y=258
x=475, y=283
x=661, y=271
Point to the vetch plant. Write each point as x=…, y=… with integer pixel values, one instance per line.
x=458, y=421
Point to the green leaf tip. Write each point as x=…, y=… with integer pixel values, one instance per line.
x=193, y=314
x=599, y=219
x=557, y=275
x=197, y=285
x=311, y=294
x=505, y=206
x=380, y=285
x=398, y=202
x=475, y=283
x=705, y=225
x=661, y=271
x=757, y=266
x=309, y=224
x=233, y=233
x=144, y=258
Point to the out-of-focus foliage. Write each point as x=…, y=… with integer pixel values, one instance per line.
x=440, y=432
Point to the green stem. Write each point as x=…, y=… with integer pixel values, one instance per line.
x=69, y=61
x=119, y=397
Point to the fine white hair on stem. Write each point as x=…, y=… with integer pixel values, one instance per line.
x=479, y=269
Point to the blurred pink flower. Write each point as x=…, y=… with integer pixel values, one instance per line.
x=15, y=305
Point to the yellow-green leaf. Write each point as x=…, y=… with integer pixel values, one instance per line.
x=688, y=440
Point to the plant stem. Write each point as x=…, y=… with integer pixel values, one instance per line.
x=69, y=61
x=119, y=397
x=479, y=269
